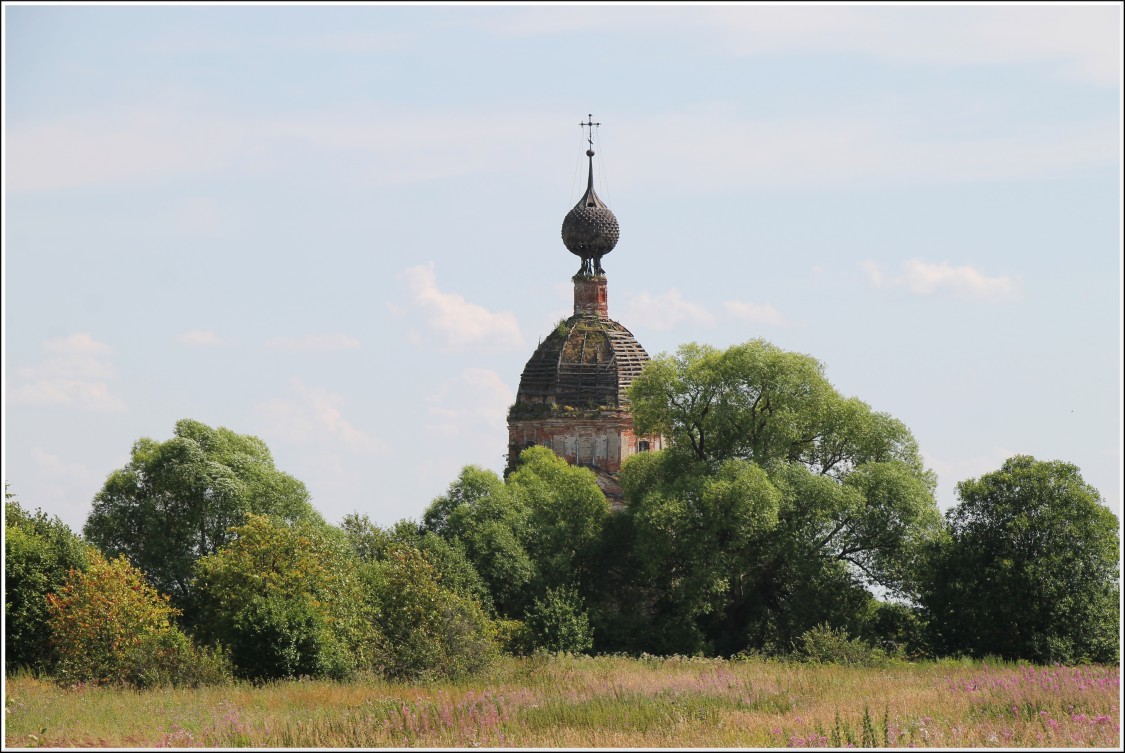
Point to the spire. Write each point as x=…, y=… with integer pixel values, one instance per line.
x=590, y=125
x=590, y=229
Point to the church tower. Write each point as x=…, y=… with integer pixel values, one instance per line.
x=572, y=393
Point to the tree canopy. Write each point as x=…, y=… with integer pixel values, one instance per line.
x=758, y=402
x=1030, y=568
x=176, y=501
x=776, y=489
x=540, y=529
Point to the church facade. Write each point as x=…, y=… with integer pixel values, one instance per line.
x=572, y=395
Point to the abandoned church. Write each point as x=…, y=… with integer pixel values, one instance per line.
x=572, y=395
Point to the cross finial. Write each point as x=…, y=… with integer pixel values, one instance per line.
x=590, y=125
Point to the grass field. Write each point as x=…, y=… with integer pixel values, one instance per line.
x=618, y=702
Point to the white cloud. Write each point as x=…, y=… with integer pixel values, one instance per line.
x=199, y=337
x=309, y=434
x=314, y=343
x=475, y=402
x=875, y=274
x=887, y=142
x=454, y=323
x=666, y=311
x=120, y=146
x=80, y=343
x=384, y=143
x=63, y=487
x=754, y=313
x=72, y=375
x=311, y=417
x=670, y=310
x=928, y=279
x=1082, y=42
x=466, y=418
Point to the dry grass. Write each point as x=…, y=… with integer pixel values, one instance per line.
x=600, y=702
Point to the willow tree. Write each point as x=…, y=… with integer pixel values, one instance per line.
x=779, y=503
x=176, y=501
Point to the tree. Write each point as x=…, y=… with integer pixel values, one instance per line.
x=492, y=527
x=448, y=559
x=698, y=537
x=109, y=626
x=39, y=553
x=537, y=530
x=430, y=631
x=567, y=514
x=758, y=402
x=1030, y=568
x=287, y=600
x=177, y=500
x=777, y=503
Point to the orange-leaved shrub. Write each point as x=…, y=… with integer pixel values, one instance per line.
x=109, y=626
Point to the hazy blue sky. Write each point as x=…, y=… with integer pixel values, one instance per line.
x=337, y=228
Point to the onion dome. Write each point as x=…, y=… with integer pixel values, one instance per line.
x=590, y=230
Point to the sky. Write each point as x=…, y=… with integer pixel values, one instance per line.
x=337, y=228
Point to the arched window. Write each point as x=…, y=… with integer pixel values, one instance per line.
x=643, y=446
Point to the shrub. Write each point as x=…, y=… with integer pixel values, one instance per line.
x=825, y=645
x=39, y=552
x=108, y=626
x=429, y=631
x=558, y=622
x=287, y=602
x=512, y=636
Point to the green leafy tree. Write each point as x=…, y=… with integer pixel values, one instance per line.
x=288, y=601
x=567, y=515
x=698, y=536
x=1030, y=569
x=758, y=402
x=777, y=504
x=493, y=528
x=456, y=573
x=39, y=552
x=540, y=529
x=109, y=626
x=177, y=500
x=430, y=631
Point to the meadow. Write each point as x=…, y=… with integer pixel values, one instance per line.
x=608, y=701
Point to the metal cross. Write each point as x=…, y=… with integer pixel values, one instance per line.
x=590, y=125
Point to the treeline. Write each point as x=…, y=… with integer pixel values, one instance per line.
x=780, y=509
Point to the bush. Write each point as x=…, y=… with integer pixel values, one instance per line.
x=287, y=602
x=512, y=636
x=824, y=645
x=39, y=552
x=558, y=622
x=429, y=631
x=108, y=626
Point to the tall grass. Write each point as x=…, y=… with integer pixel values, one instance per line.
x=547, y=701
